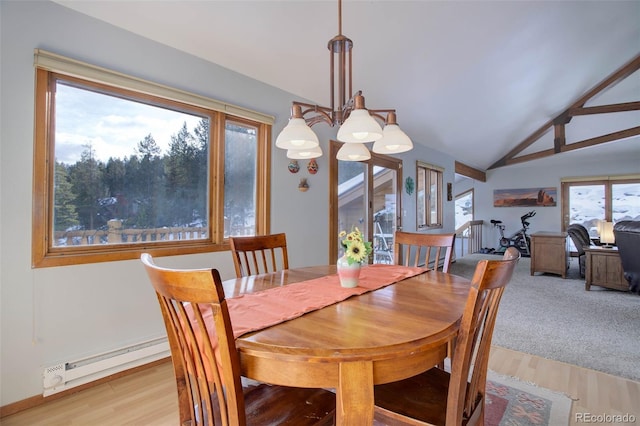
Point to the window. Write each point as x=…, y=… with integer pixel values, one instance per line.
x=589, y=200
x=118, y=170
x=464, y=208
x=429, y=196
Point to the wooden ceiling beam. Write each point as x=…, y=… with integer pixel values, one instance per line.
x=560, y=139
x=577, y=108
x=530, y=157
x=615, y=136
x=470, y=172
x=605, y=109
x=623, y=134
x=617, y=76
x=523, y=145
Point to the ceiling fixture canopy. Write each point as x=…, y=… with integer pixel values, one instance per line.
x=358, y=125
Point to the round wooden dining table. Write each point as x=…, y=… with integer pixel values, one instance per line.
x=381, y=336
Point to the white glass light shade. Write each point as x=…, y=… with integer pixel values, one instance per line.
x=353, y=152
x=303, y=154
x=606, y=234
x=360, y=127
x=297, y=135
x=393, y=141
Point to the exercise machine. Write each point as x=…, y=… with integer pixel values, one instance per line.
x=519, y=239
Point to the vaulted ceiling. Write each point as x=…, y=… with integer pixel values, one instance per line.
x=474, y=79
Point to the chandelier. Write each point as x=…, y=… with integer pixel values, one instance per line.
x=358, y=125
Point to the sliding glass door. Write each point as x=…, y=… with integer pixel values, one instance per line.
x=386, y=216
x=365, y=195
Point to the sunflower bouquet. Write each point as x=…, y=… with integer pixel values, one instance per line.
x=356, y=249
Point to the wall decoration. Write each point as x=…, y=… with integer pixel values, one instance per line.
x=303, y=186
x=538, y=197
x=449, y=191
x=293, y=166
x=312, y=167
x=408, y=185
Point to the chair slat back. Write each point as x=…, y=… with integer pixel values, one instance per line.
x=417, y=249
x=471, y=355
x=259, y=254
x=207, y=370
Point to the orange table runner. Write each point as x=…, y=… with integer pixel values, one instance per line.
x=255, y=311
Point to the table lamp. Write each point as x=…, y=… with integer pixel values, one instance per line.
x=606, y=234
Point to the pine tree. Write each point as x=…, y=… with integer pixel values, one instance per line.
x=148, y=191
x=182, y=171
x=87, y=182
x=64, y=209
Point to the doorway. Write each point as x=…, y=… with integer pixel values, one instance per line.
x=366, y=195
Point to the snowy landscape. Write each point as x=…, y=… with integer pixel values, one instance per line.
x=587, y=205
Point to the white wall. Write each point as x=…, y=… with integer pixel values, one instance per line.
x=538, y=174
x=53, y=315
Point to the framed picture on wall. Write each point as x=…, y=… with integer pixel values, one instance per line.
x=528, y=197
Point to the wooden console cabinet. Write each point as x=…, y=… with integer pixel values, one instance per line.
x=604, y=269
x=549, y=253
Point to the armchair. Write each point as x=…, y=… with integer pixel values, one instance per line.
x=627, y=233
x=580, y=237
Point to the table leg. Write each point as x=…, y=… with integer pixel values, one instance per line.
x=354, y=396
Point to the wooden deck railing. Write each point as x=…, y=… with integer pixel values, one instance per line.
x=470, y=234
x=115, y=234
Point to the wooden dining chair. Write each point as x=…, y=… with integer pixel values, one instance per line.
x=418, y=249
x=207, y=365
x=259, y=254
x=437, y=397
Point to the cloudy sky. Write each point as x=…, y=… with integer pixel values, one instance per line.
x=112, y=126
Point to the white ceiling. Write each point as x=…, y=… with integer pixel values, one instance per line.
x=468, y=78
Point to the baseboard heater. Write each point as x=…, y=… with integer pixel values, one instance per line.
x=66, y=375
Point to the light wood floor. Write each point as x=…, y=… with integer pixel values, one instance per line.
x=592, y=391
x=148, y=397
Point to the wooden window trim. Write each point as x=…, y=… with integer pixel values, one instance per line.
x=439, y=220
x=606, y=181
x=376, y=159
x=45, y=255
x=71, y=67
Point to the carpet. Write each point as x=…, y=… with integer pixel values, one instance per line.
x=511, y=402
x=558, y=319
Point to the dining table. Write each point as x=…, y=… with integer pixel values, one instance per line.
x=320, y=335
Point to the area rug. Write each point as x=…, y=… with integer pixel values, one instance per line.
x=512, y=402
x=516, y=403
